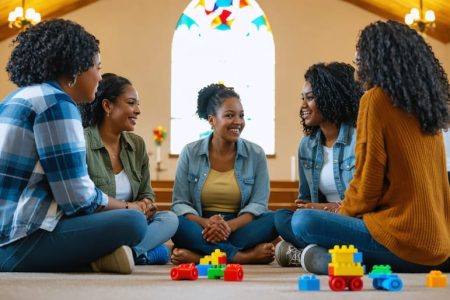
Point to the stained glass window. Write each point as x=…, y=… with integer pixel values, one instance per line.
x=227, y=41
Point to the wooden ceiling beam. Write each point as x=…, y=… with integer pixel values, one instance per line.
x=49, y=13
x=441, y=32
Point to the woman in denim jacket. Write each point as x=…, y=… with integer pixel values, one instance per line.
x=326, y=156
x=221, y=188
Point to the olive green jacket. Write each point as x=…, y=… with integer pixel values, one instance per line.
x=134, y=159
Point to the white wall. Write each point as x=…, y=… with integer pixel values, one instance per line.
x=136, y=42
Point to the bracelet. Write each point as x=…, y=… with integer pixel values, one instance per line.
x=126, y=205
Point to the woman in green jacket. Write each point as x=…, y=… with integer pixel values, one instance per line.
x=118, y=162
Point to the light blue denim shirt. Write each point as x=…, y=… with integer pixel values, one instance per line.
x=310, y=158
x=250, y=168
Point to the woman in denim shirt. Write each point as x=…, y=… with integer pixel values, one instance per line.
x=326, y=157
x=221, y=188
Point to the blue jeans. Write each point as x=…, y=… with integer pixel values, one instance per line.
x=283, y=226
x=329, y=229
x=260, y=230
x=74, y=243
x=162, y=227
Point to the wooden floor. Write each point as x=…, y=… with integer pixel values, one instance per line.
x=282, y=194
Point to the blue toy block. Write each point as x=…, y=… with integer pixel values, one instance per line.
x=357, y=257
x=388, y=282
x=308, y=283
x=203, y=270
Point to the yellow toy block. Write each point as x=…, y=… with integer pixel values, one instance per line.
x=343, y=263
x=436, y=279
x=205, y=260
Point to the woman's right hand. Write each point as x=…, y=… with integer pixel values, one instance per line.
x=216, y=230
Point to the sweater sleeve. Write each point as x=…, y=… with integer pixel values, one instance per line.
x=366, y=188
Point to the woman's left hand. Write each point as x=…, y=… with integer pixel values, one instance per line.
x=150, y=208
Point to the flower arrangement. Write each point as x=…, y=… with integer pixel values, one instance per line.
x=159, y=135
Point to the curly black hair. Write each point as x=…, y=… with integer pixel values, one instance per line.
x=337, y=94
x=396, y=58
x=50, y=50
x=211, y=97
x=110, y=87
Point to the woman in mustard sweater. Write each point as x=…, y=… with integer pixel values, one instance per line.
x=396, y=210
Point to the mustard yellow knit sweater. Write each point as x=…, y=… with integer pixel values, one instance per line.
x=400, y=185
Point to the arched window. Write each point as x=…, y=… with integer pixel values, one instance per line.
x=228, y=41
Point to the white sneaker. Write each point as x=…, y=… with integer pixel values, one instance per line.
x=287, y=255
x=120, y=261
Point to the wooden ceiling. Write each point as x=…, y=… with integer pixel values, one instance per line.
x=397, y=9
x=389, y=9
x=47, y=8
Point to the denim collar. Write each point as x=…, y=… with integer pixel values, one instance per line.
x=204, y=147
x=97, y=142
x=344, y=137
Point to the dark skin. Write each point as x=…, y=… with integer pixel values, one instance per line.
x=228, y=123
x=122, y=116
x=330, y=132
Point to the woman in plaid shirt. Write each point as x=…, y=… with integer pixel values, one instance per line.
x=48, y=203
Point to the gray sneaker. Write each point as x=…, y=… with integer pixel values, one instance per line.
x=315, y=259
x=287, y=255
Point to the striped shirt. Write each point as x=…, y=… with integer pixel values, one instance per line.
x=42, y=162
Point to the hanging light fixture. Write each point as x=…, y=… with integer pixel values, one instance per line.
x=417, y=20
x=19, y=20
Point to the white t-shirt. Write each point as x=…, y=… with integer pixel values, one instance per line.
x=123, y=187
x=327, y=185
x=447, y=148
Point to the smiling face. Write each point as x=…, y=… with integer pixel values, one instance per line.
x=229, y=121
x=308, y=109
x=125, y=109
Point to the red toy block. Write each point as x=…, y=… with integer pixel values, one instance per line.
x=184, y=271
x=222, y=260
x=233, y=272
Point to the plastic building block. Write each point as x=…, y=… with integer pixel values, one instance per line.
x=383, y=279
x=233, y=272
x=184, y=271
x=308, y=283
x=216, y=258
x=436, y=279
x=345, y=269
x=203, y=269
x=216, y=271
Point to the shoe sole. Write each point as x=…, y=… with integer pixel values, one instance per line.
x=121, y=254
x=278, y=248
x=302, y=257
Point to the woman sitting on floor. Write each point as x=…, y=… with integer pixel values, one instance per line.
x=118, y=162
x=221, y=188
x=396, y=210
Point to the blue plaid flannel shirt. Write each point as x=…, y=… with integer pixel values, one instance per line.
x=42, y=162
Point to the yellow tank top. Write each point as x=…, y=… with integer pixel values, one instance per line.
x=221, y=192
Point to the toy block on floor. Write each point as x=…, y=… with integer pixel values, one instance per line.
x=345, y=269
x=308, y=283
x=184, y=271
x=233, y=272
x=216, y=271
x=383, y=279
x=436, y=279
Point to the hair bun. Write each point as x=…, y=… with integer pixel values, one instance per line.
x=205, y=95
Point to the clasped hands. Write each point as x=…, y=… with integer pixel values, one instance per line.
x=146, y=206
x=330, y=206
x=216, y=229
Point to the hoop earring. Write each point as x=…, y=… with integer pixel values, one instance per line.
x=72, y=82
